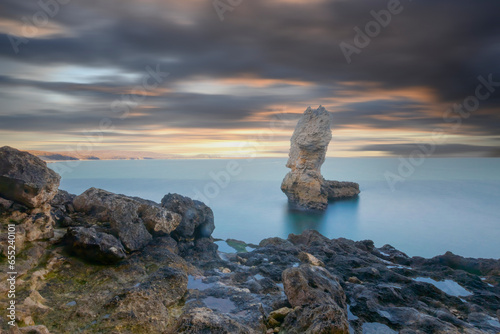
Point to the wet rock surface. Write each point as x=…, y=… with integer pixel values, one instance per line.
x=304, y=185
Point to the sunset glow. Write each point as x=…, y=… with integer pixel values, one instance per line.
x=236, y=87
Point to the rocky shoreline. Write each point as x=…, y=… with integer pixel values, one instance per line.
x=108, y=263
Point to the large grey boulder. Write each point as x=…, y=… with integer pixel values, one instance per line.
x=25, y=178
x=197, y=218
x=133, y=220
x=304, y=185
x=93, y=245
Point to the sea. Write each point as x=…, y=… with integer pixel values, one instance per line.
x=424, y=209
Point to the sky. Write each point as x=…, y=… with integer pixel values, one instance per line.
x=231, y=77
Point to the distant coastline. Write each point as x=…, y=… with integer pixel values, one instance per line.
x=52, y=157
x=61, y=156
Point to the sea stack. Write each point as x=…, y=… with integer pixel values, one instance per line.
x=304, y=185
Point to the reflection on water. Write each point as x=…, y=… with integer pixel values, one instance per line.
x=344, y=214
x=219, y=304
x=297, y=222
x=198, y=284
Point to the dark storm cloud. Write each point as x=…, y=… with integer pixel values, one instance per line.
x=97, y=90
x=170, y=109
x=173, y=111
x=409, y=115
x=444, y=45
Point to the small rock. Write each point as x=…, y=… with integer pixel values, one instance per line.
x=275, y=241
x=273, y=322
x=5, y=203
x=39, y=329
x=28, y=320
x=94, y=246
x=311, y=259
x=354, y=280
x=62, y=198
x=340, y=190
x=204, y=320
x=280, y=314
x=367, y=273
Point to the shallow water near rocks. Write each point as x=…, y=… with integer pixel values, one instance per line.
x=493, y=322
x=448, y=286
x=350, y=315
x=224, y=247
x=198, y=284
x=444, y=205
x=219, y=304
x=376, y=328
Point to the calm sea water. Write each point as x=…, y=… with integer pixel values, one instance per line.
x=446, y=204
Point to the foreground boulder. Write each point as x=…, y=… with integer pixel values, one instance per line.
x=304, y=185
x=197, y=218
x=27, y=187
x=94, y=246
x=133, y=220
x=26, y=179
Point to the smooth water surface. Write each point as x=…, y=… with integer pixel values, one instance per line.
x=444, y=205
